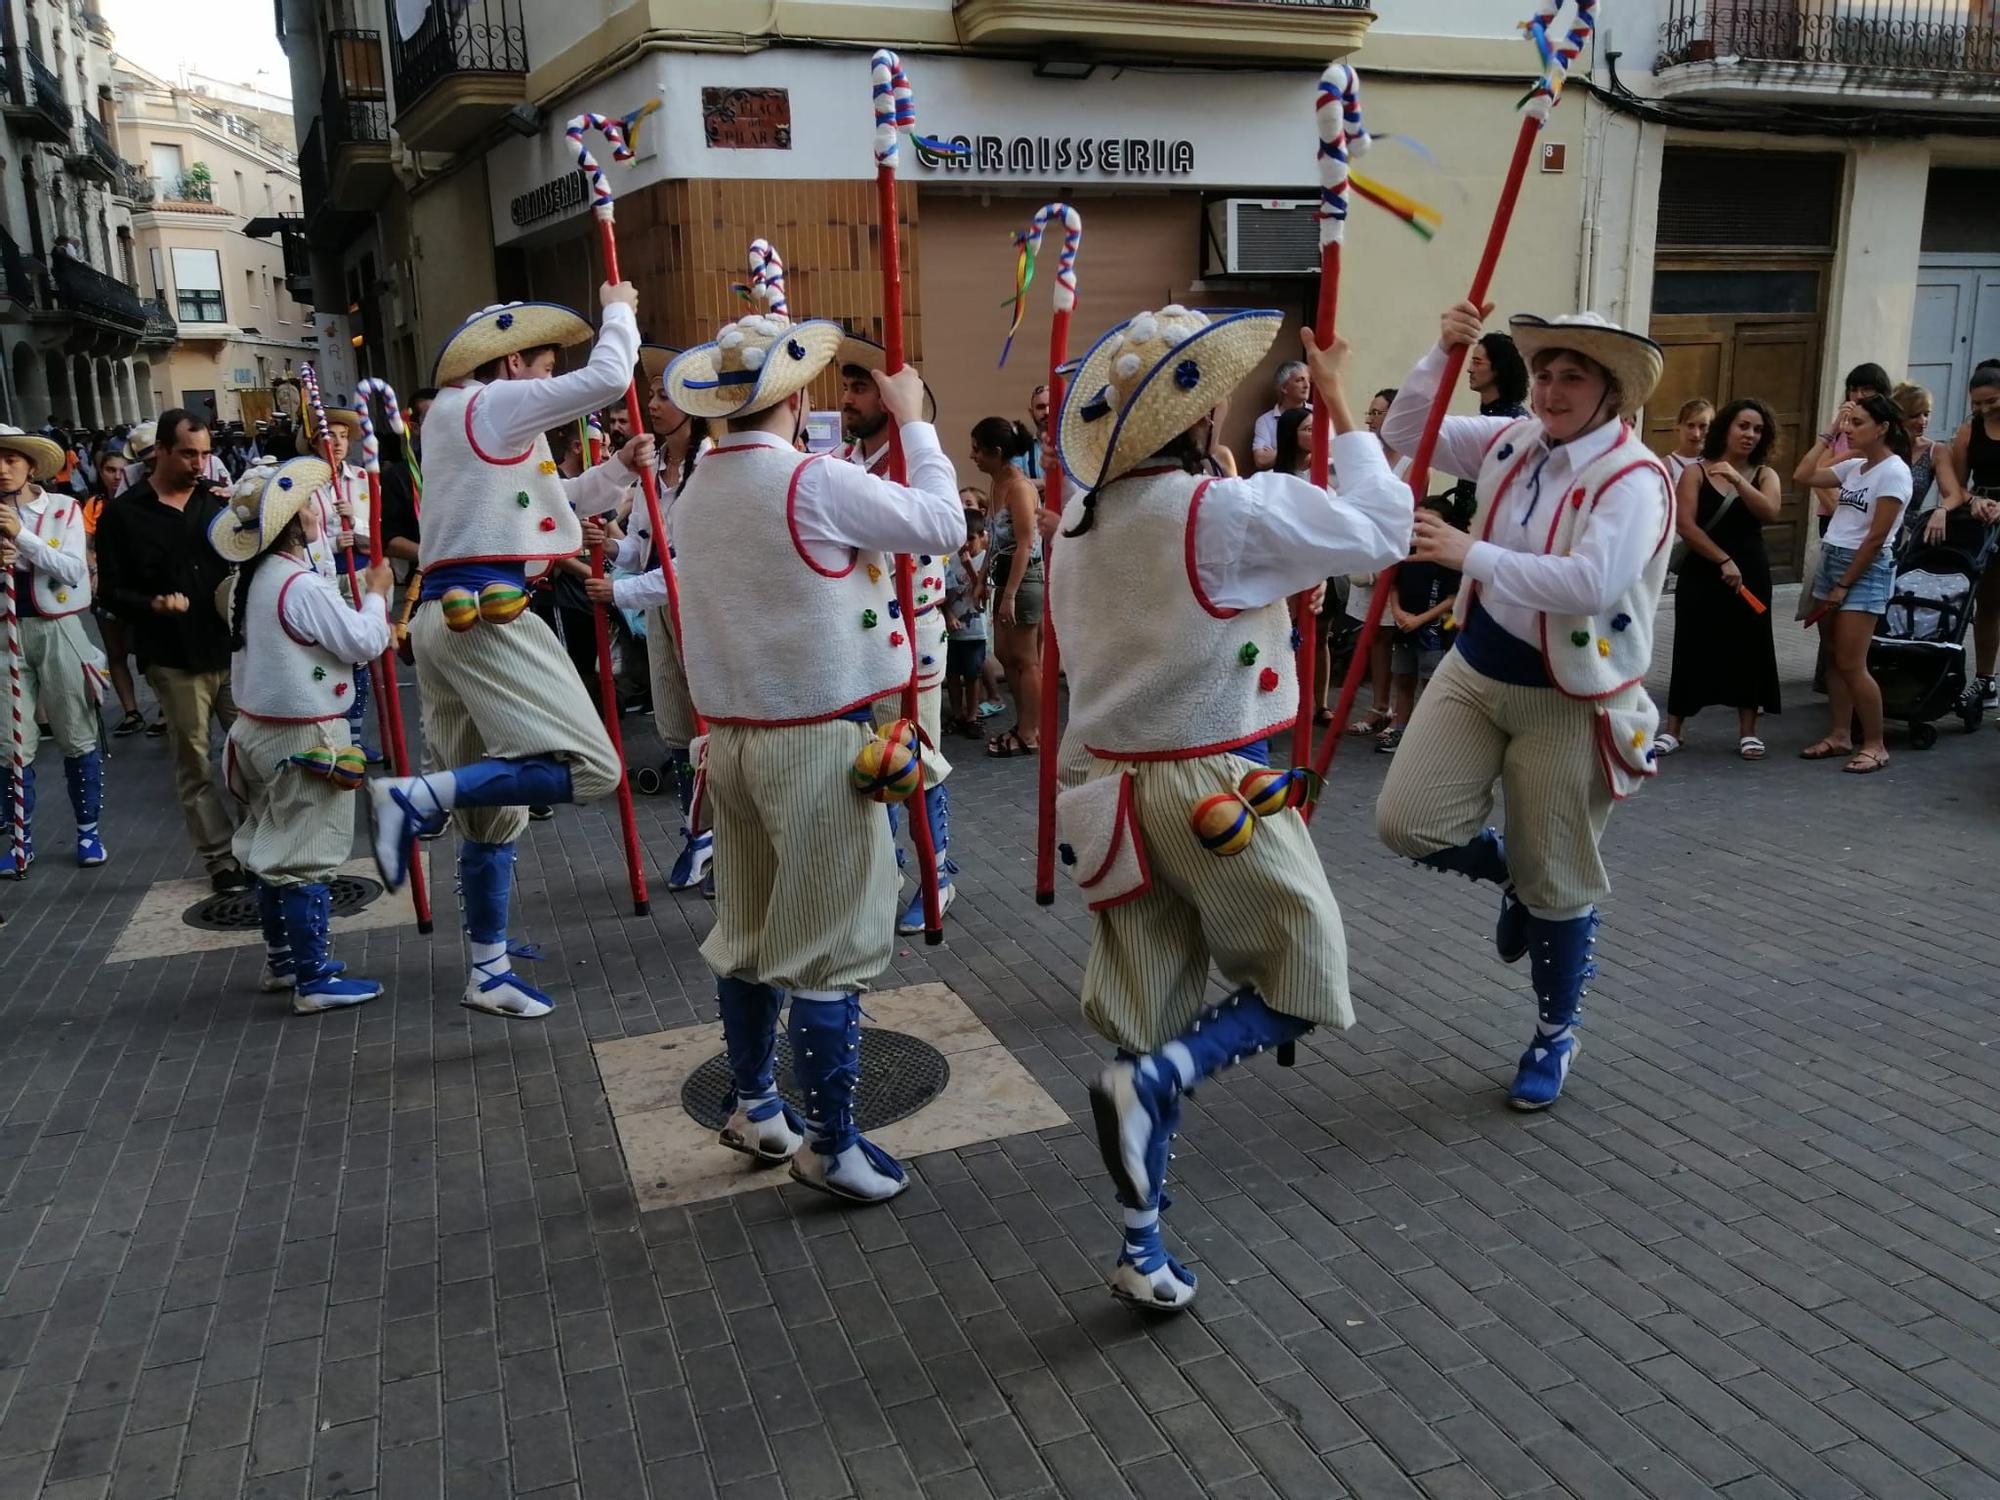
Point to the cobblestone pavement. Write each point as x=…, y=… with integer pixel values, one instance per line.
x=394, y=1252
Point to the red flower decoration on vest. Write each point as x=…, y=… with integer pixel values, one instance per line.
x=1267, y=680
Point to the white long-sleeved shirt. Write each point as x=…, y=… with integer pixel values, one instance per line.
x=71, y=568
x=1517, y=580
x=511, y=414
x=839, y=506
x=1265, y=537
x=315, y=611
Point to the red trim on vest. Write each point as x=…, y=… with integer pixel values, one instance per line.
x=286, y=626
x=792, y=525
x=1494, y=441
x=1471, y=588
x=1193, y=570
x=820, y=718
x=1196, y=752
x=275, y=719
x=1609, y=761
x=510, y=557
x=1126, y=823
x=1548, y=662
x=473, y=442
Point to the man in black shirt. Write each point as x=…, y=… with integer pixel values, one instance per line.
x=158, y=573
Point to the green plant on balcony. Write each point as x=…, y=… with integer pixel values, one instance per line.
x=198, y=183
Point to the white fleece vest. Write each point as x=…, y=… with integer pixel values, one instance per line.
x=279, y=677
x=769, y=636
x=1156, y=671
x=1588, y=656
x=324, y=554
x=60, y=525
x=490, y=508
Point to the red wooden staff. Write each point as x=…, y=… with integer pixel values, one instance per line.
x=1337, y=108
x=895, y=109
x=1052, y=495
x=1540, y=101
x=388, y=700
x=607, y=234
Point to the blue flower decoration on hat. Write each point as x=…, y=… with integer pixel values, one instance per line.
x=794, y=348
x=1187, y=374
x=285, y=482
x=504, y=321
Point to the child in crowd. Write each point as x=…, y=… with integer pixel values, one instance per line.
x=1424, y=594
x=965, y=620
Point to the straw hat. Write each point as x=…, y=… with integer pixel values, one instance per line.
x=1635, y=361
x=653, y=361
x=262, y=504
x=140, y=440
x=47, y=457
x=506, y=328
x=869, y=355
x=1149, y=380
x=336, y=416
x=754, y=363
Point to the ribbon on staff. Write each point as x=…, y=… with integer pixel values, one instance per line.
x=1028, y=252
x=1557, y=57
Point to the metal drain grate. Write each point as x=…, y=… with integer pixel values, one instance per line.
x=237, y=910
x=900, y=1074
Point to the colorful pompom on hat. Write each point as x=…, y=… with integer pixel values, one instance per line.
x=753, y=364
x=44, y=455
x=1149, y=380
x=506, y=328
x=262, y=504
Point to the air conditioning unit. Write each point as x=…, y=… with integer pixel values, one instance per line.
x=1263, y=237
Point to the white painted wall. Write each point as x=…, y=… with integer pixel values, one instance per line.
x=1875, y=273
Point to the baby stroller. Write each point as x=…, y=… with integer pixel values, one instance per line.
x=1918, y=654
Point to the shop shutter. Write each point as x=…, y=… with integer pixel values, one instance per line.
x=1711, y=199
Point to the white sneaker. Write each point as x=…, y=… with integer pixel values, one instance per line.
x=506, y=994
x=1167, y=1288
x=771, y=1141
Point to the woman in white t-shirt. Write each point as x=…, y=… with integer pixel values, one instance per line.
x=1856, y=571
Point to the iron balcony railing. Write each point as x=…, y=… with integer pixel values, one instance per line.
x=477, y=36
x=133, y=183
x=39, y=89
x=354, y=101
x=1943, y=39
x=184, y=188
x=161, y=327
x=86, y=291
x=93, y=154
x=15, y=277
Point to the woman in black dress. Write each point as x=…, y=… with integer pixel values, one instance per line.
x=1723, y=650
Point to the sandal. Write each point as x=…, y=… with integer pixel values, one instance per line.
x=1389, y=739
x=1825, y=750
x=1323, y=716
x=1865, y=763
x=1009, y=744
x=1750, y=747
x=132, y=723
x=1372, y=723
x=1666, y=744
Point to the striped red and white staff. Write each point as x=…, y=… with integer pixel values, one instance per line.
x=895, y=110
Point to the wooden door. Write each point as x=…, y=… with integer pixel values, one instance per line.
x=1718, y=357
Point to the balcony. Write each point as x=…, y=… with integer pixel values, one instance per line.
x=188, y=192
x=1259, y=30
x=17, y=281
x=327, y=225
x=354, y=105
x=463, y=67
x=297, y=251
x=161, y=330
x=1837, y=52
x=34, y=100
x=87, y=294
x=91, y=155
x=132, y=184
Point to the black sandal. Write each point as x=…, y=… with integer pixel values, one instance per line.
x=1009, y=744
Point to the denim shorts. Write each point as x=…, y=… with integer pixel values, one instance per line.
x=1870, y=593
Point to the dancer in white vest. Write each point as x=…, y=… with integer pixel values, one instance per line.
x=342, y=548
x=866, y=424
x=1176, y=868
x=789, y=646
x=503, y=706
x=296, y=643
x=43, y=535
x=1562, y=568
x=681, y=439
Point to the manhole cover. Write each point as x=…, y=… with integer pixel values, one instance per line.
x=237, y=911
x=900, y=1074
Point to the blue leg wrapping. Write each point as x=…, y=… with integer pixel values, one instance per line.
x=537, y=782
x=357, y=714
x=486, y=887
x=1482, y=857
x=271, y=916
x=826, y=1056
x=85, y=776
x=1559, y=959
x=750, y=1032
